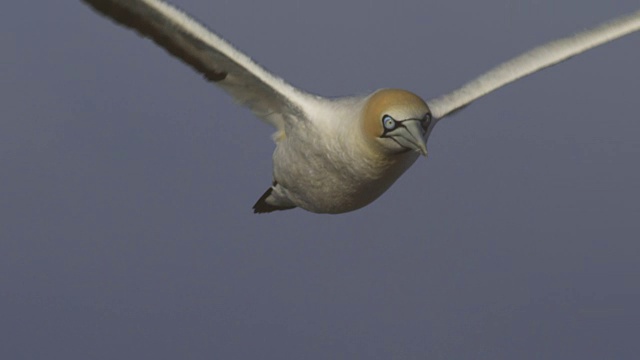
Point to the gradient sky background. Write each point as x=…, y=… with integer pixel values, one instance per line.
x=127, y=182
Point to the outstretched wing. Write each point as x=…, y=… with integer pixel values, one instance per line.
x=532, y=61
x=268, y=96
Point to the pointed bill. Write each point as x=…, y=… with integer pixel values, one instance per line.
x=411, y=136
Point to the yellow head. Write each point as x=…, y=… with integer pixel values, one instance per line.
x=397, y=121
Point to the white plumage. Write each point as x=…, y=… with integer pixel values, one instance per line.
x=334, y=155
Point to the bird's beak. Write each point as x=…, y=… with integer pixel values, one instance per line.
x=411, y=136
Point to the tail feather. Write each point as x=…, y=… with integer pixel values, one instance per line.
x=266, y=203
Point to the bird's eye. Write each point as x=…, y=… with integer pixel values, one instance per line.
x=388, y=122
x=426, y=121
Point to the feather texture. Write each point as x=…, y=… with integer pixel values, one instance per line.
x=268, y=96
x=532, y=61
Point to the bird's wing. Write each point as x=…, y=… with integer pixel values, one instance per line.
x=268, y=96
x=532, y=61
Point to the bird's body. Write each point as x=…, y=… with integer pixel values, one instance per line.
x=326, y=164
x=334, y=155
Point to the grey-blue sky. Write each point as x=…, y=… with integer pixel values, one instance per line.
x=127, y=183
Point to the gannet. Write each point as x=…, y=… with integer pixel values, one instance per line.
x=334, y=155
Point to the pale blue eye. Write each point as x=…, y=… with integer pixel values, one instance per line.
x=388, y=122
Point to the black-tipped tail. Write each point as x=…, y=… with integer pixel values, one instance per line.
x=263, y=206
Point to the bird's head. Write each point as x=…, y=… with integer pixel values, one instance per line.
x=397, y=120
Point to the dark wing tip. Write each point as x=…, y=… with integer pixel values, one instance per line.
x=151, y=24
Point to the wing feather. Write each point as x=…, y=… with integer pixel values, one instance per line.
x=268, y=96
x=532, y=61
